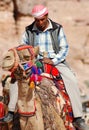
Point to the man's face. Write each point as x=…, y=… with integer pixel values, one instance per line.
x=42, y=23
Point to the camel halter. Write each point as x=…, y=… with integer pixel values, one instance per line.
x=17, y=58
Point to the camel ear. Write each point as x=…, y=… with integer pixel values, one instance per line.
x=36, y=50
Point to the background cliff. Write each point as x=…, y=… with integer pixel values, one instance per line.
x=72, y=14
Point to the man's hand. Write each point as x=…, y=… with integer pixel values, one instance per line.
x=47, y=60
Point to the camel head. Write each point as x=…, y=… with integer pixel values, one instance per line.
x=19, y=56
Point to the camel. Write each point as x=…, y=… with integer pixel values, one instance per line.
x=40, y=104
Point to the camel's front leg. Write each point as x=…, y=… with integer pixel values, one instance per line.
x=23, y=122
x=29, y=123
x=34, y=122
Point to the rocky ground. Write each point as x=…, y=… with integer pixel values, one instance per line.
x=72, y=14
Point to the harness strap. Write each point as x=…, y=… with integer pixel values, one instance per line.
x=30, y=48
x=30, y=113
x=17, y=59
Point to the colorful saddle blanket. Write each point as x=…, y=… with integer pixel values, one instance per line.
x=67, y=113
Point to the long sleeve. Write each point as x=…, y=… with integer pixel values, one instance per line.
x=63, y=51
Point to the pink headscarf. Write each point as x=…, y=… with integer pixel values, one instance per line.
x=39, y=11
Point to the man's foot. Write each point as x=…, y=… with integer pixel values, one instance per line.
x=8, y=118
x=80, y=124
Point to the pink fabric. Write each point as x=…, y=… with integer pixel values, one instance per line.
x=39, y=11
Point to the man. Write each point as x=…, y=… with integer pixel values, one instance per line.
x=50, y=38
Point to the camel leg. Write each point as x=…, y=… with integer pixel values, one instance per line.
x=23, y=121
x=10, y=125
x=34, y=122
x=29, y=123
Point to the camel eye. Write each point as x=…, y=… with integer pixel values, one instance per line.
x=7, y=58
x=27, y=58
